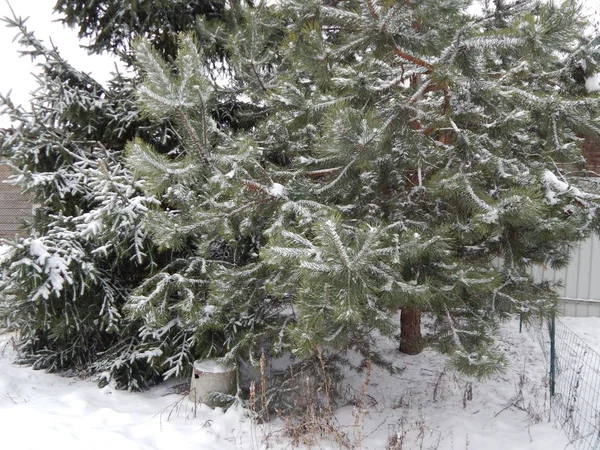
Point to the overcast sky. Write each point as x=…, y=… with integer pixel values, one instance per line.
x=15, y=75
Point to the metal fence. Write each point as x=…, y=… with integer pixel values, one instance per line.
x=579, y=308
x=579, y=281
x=574, y=386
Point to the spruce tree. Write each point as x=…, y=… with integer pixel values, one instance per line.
x=64, y=286
x=410, y=156
x=110, y=25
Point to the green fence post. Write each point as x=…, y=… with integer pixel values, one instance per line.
x=552, y=355
x=521, y=323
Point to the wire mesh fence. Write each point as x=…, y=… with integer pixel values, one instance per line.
x=574, y=386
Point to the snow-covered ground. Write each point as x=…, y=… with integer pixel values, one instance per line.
x=424, y=406
x=587, y=328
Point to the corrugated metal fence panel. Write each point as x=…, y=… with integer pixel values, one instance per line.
x=594, y=272
x=580, y=308
x=581, y=278
x=556, y=276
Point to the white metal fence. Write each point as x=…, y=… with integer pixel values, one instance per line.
x=580, y=281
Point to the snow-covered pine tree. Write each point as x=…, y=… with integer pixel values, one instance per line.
x=64, y=286
x=217, y=198
x=453, y=132
x=411, y=156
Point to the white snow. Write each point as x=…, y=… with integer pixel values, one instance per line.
x=592, y=84
x=277, y=190
x=53, y=265
x=38, y=410
x=427, y=405
x=587, y=328
x=210, y=366
x=209, y=309
x=5, y=252
x=37, y=248
x=553, y=185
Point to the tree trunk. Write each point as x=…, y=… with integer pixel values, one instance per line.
x=410, y=331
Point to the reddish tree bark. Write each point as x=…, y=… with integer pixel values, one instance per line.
x=410, y=331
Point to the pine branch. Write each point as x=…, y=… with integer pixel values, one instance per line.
x=331, y=232
x=403, y=55
x=337, y=179
x=315, y=174
x=199, y=146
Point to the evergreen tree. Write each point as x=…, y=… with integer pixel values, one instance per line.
x=216, y=295
x=111, y=25
x=350, y=160
x=411, y=156
x=64, y=287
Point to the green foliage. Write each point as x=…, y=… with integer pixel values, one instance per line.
x=64, y=286
x=400, y=161
x=308, y=169
x=217, y=291
x=71, y=288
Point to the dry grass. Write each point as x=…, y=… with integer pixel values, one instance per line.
x=312, y=421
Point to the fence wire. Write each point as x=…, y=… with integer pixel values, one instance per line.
x=575, y=383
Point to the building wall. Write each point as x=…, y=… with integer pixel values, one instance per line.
x=14, y=207
x=592, y=157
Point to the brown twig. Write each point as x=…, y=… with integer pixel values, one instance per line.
x=412, y=59
x=260, y=82
x=322, y=172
